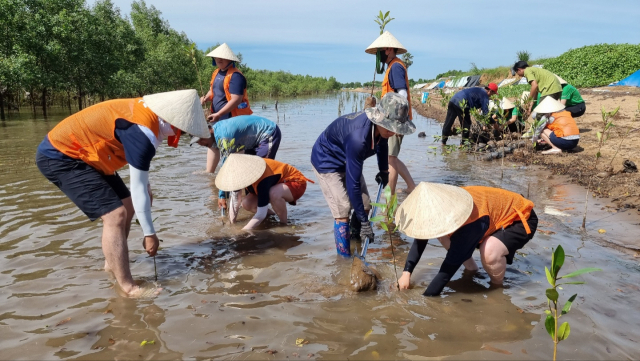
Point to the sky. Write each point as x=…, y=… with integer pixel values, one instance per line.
x=328, y=38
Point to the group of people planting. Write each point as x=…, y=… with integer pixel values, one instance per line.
x=82, y=154
x=554, y=102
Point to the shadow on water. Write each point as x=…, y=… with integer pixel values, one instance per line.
x=282, y=292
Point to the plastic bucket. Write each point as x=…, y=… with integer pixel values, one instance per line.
x=425, y=95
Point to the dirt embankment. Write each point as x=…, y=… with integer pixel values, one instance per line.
x=607, y=178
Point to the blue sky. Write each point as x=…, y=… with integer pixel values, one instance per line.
x=328, y=38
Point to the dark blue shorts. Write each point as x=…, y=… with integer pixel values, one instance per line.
x=94, y=193
x=563, y=143
x=268, y=147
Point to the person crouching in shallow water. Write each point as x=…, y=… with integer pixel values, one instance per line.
x=557, y=127
x=265, y=181
x=82, y=153
x=338, y=157
x=496, y=221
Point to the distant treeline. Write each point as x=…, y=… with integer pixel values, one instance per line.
x=68, y=53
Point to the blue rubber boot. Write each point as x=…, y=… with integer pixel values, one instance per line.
x=343, y=238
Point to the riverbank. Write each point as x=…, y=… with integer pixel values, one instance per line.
x=579, y=165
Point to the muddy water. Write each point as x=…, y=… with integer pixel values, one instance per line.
x=228, y=294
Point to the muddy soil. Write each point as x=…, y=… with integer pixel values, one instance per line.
x=623, y=143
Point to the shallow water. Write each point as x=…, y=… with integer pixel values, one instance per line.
x=232, y=295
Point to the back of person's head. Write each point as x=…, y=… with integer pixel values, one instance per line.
x=521, y=64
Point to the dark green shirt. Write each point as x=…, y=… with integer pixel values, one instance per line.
x=571, y=94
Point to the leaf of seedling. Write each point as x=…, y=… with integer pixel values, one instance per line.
x=550, y=325
x=552, y=294
x=379, y=205
x=567, y=305
x=563, y=331
x=574, y=283
x=581, y=271
x=558, y=261
x=145, y=342
x=376, y=219
x=550, y=279
x=384, y=226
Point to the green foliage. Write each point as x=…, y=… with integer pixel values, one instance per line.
x=475, y=70
x=596, y=65
x=553, y=276
x=449, y=73
x=383, y=20
x=513, y=90
x=386, y=217
x=407, y=58
x=523, y=55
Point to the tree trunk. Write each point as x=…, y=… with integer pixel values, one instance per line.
x=44, y=102
x=33, y=101
x=79, y=100
x=1, y=106
x=69, y=101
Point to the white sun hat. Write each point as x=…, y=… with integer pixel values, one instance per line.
x=240, y=171
x=434, y=210
x=223, y=52
x=549, y=105
x=386, y=40
x=180, y=108
x=562, y=81
x=506, y=104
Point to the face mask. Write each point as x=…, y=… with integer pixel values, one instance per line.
x=383, y=56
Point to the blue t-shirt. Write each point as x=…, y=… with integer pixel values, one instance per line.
x=247, y=130
x=237, y=85
x=476, y=98
x=397, y=77
x=343, y=147
x=138, y=149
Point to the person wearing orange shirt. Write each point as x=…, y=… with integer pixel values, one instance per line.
x=559, y=129
x=82, y=153
x=266, y=181
x=496, y=221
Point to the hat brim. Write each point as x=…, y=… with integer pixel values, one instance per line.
x=378, y=117
x=240, y=171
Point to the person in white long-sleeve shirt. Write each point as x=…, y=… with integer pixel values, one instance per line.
x=82, y=153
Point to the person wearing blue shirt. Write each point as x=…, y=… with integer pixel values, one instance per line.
x=338, y=157
x=475, y=98
x=251, y=134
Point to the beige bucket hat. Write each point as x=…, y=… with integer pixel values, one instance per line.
x=562, y=81
x=240, y=171
x=223, y=52
x=434, y=210
x=392, y=113
x=386, y=40
x=180, y=108
x=549, y=105
x=506, y=104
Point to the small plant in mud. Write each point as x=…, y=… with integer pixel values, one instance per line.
x=559, y=333
x=385, y=218
x=603, y=136
x=445, y=97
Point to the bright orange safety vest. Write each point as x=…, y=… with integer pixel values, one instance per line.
x=288, y=173
x=564, y=125
x=89, y=135
x=225, y=85
x=386, y=86
x=502, y=207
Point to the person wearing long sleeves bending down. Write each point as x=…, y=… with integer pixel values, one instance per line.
x=265, y=181
x=339, y=154
x=496, y=221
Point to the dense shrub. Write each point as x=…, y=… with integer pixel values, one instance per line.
x=512, y=91
x=596, y=65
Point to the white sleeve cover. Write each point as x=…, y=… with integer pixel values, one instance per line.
x=403, y=92
x=260, y=215
x=139, y=180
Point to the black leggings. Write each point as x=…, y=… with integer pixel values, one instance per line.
x=577, y=110
x=453, y=112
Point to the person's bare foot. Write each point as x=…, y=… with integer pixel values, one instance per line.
x=143, y=290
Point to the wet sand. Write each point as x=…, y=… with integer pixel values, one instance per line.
x=281, y=292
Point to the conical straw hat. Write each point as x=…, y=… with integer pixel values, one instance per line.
x=562, y=81
x=240, y=171
x=434, y=210
x=505, y=104
x=180, y=108
x=386, y=40
x=549, y=105
x=223, y=52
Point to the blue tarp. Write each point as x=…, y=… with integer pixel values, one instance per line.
x=440, y=85
x=631, y=80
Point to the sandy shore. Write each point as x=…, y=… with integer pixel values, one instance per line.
x=607, y=177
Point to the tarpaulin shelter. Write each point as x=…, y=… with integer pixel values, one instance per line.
x=506, y=82
x=473, y=81
x=631, y=80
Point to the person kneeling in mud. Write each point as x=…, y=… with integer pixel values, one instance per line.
x=557, y=127
x=496, y=221
x=513, y=121
x=265, y=181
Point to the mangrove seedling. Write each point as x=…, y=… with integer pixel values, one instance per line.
x=382, y=20
x=559, y=333
x=603, y=136
x=385, y=218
